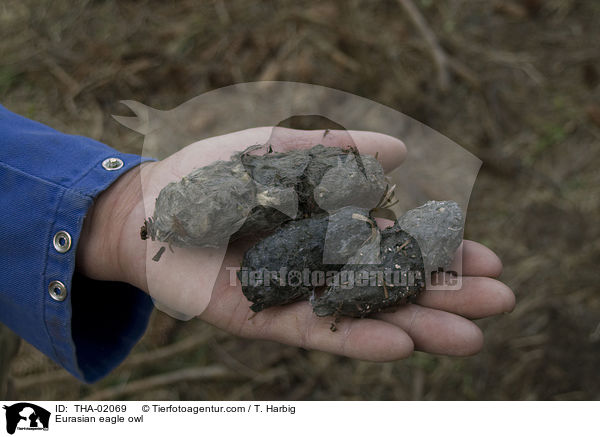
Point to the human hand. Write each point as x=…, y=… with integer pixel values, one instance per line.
x=196, y=281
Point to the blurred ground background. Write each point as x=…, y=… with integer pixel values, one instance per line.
x=523, y=94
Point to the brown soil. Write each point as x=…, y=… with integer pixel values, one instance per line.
x=524, y=96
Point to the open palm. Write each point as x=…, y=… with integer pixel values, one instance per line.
x=196, y=282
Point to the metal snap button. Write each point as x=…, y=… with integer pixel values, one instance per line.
x=111, y=164
x=62, y=241
x=57, y=291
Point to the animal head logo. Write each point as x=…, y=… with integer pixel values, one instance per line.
x=435, y=166
x=26, y=416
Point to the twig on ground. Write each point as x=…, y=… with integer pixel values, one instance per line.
x=437, y=53
x=208, y=373
x=268, y=377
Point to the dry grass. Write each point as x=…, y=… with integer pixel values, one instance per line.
x=524, y=96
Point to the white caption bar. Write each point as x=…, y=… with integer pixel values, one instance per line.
x=304, y=419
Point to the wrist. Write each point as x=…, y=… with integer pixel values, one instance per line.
x=101, y=251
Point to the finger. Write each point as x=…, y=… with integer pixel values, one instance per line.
x=219, y=148
x=383, y=223
x=390, y=151
x=471, y=259
x=364, y=339
x=436, y=331
x=479, y=297
x=477, y=260
x=297, y=325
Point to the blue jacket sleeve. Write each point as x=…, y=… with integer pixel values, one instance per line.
x=48, y=182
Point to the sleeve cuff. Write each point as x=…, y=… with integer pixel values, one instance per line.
x=108, y=319
x=94, y=326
